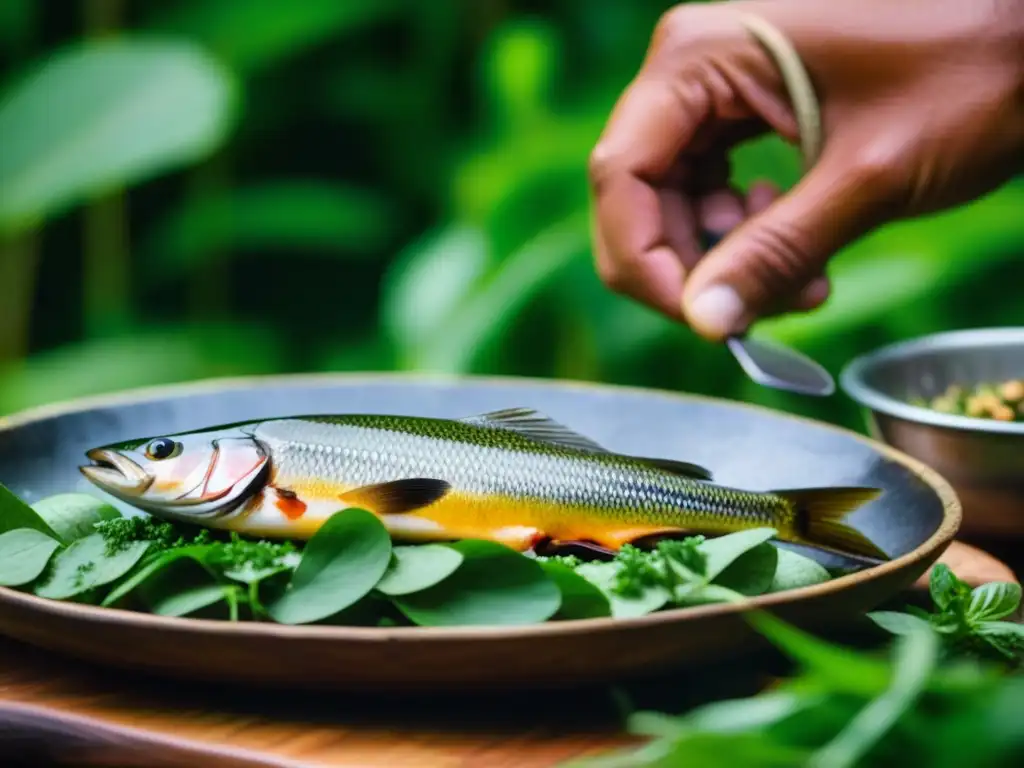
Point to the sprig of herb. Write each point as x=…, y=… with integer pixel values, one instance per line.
x=969, y=620
x=932, y=698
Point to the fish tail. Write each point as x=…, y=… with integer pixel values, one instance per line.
x=819, y=518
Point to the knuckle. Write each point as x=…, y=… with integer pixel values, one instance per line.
x=599, y=165
x=782, y=260
x=875, y=167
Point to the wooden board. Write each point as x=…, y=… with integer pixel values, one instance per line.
x=58, y=711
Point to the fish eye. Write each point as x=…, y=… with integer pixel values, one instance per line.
x=162, y=448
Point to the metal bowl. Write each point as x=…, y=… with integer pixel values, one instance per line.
x=982, y=459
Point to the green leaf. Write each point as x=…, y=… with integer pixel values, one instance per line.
x=15, y=514
x=842, y=669
x=147, y=357
x=427, y=282
x=341, y=563
x=602, y=576
x=916, y=655
x=993, y=601
x=494, y=585
x=24, y=553
x=300, y=216
x=944, y=586
x=416, y=568
x=1008, y=628
x=253, y=35
x=191, y=600
x=129, y=110
x=481, y=319
x=794, y=571
x=898, y=623
x=84, y=565
x=74, y=515
x=153, y=566
x=723, y=551
x=580, y=598
x=752, y=572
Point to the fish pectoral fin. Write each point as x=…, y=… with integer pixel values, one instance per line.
x=398, y=496
x=535, y=425
x=614, y=539
x=684, y=468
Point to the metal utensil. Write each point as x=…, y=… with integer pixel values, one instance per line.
x=983, y=459
x=774, y=365
x=770, y=364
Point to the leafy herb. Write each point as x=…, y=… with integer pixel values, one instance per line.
x=414, y=569
x=24, y=553
x=969, y=620
x=85, y=565
x=342, y=562
x=494, y=585
x=73, y=516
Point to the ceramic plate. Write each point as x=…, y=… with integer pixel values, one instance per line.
x=914, y=520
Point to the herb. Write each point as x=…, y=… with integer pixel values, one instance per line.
x=968, y=620
x=929, y=699
x=349, y=572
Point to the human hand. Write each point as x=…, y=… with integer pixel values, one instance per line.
x=922, y=105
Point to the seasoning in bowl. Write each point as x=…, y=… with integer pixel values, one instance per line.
x=1002, y=401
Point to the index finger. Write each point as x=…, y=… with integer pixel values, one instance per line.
x=635, y=179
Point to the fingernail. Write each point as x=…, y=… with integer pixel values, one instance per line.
x=718, y=310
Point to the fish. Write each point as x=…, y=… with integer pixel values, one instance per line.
x=514, y=476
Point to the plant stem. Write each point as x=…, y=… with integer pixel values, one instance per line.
x=106, y=274
x=19, y=258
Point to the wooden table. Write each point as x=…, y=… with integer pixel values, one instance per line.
x=56, y=711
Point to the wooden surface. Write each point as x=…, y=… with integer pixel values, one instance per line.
x=55, y=711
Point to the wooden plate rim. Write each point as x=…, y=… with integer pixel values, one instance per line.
x=938, y=541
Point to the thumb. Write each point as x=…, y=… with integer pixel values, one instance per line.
x=771, y=257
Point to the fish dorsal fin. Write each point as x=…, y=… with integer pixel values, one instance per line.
x=538, y=426
x=535, y=425
x=685, y=468
x=398, y=496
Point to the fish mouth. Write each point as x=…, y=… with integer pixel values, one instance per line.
x=116, y=473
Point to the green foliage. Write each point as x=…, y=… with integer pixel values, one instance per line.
x=921, y=702
x=128, y=110
x=407, y=190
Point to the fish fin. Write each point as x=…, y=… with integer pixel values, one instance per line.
x=397, y=496
x=684, y=468
x=535, y=425
x=614, y=539
x=820, y=513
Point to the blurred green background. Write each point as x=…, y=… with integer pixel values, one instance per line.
x=195, y=188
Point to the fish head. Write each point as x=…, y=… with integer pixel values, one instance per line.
x=185, y=476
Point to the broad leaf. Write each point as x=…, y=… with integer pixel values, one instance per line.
x=723, y=551
x=154, y=566
x=302, y=217
x=15, y=514
x=190, y=600
x=993, y=601
x=494, y=585
x=794, y=571
x=74, y=515
x=602, y=576
x=341, y=563
x=147, y=357
x=753, y=572
x=24, y=553
x=416, y=568
x=129, y=110
x=898, y=623
x=580, y=598
x=85, y=565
